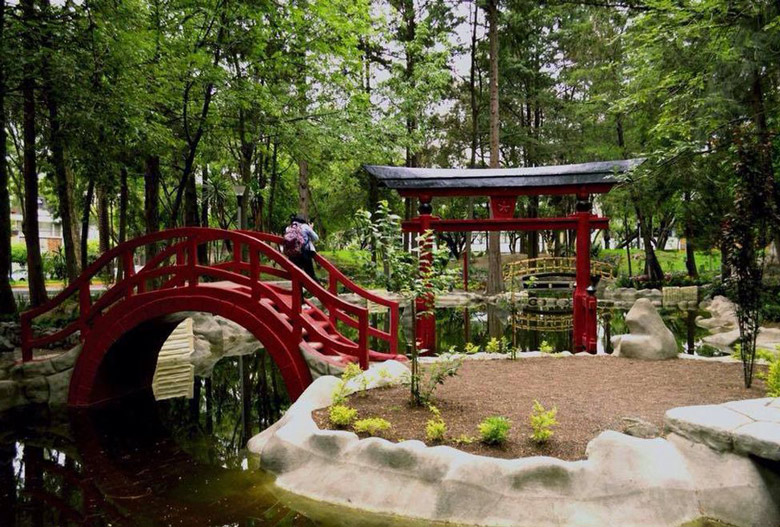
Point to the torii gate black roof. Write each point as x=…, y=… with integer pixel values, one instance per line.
x=557, y=179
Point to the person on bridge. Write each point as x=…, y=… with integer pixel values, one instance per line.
x=299, y=238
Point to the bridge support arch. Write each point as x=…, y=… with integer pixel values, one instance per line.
x=120, y=350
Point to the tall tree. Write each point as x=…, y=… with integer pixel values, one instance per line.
x=56, y=144
x=35, y=278
x=7, y=300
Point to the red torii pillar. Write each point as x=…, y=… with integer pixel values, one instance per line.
x=584, y=303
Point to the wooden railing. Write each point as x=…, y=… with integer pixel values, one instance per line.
x=176, y=265
x=553, y=265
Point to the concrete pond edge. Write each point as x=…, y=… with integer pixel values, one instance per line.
x=625, y=481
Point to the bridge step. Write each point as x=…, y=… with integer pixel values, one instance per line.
x=175, y=374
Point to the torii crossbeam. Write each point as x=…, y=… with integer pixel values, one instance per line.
x=503, y=186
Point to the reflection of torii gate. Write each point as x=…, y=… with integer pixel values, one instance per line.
x=503, y=186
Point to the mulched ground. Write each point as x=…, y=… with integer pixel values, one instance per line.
x=592, y=394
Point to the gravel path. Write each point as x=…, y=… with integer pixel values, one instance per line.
x=592, y=394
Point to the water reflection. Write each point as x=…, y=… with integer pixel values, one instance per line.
x=549, y=328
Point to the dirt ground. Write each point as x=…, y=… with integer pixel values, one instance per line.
x=592, y=394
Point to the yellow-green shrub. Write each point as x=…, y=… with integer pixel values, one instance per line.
x=542, y=422
x=435, y=428
x=495, y=430
x=342, y=415
x=371, y=426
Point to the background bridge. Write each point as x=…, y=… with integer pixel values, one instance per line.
x=239, y=275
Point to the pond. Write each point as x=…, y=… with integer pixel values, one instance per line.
x=148, y=463
x=534, y=330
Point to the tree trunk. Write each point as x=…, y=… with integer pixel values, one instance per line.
x=304, y=196
x=123, y=199
x=495, y=282
x=56, y=143
x=152, y=200
x=85, y=223
x=690, y=255
x=104, y=225
x=35, y=278
x=7, y=300
x=652, y=267
x=191, y=218
x=273, y=185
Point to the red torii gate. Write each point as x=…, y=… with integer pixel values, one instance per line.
x=503, y=186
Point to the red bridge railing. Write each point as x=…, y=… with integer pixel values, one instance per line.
x=336, y=278
x=176, y=264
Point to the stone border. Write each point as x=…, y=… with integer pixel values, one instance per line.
x=625, y=481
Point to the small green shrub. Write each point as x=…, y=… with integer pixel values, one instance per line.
x=371, y=426
x=464, y=439
x=707, y=350
x=339, y=394
x=773, y=379
x=542, y=422
x=341, y=415
x=471, y=348
x=435, y=428
x=433, y=376
x=495, y=430
x=493, y=346
x=351, y=371
x=546, y=347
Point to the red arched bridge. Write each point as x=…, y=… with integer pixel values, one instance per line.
x=239, y=275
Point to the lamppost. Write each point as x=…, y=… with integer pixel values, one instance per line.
x=239, y=190
x=243, y=373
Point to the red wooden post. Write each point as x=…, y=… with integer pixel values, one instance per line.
x=295, y=315
x=363, y=340
x=426, y=324
x=584, y=303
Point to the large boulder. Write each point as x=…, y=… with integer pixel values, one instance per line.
x=648, y=336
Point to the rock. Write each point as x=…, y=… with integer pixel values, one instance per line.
x=66, y=360
x=768, y=338
x=5, y=345
x=724, y=316
x=636, y=427
x=648, y=336
x=31, y=370
x=712, y=425
x=35, y=390
x=59, y=386
x=10, y=395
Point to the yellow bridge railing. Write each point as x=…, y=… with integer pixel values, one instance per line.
x=552, y=265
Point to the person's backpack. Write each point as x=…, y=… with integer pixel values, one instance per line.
x=292, y=245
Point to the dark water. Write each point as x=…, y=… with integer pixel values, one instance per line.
x=144, y=463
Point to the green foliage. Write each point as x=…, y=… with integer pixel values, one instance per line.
x=351, y=371
x=761, y=354
x=340, y=392
x=493, y=346
x=546, y=347
x=464, y=439
x=471, y=348
x=773, y=379
x=542, y=422
x=19, y=253
x=435, y=428
x=372, y=426
x=341, y=415
x=434, y=376
x=494, y=430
